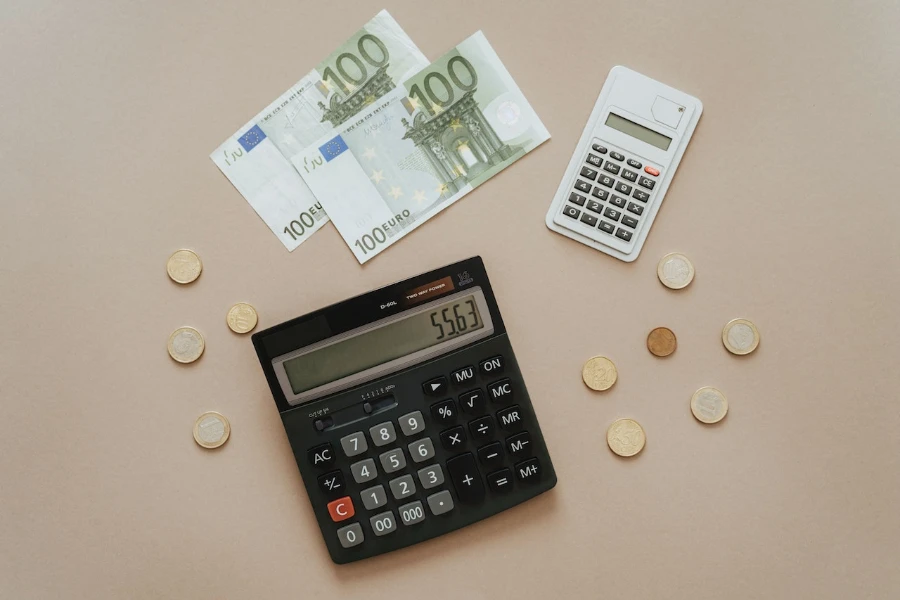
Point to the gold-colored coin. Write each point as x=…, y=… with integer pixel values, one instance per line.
x=661, y=342
x=626, y=437
x=186, y=344
x=242, y=318
x=709, y=405
x=675, y=271
x=740, y=336
x=599, y=373
x=211, y=429
x=184, y=266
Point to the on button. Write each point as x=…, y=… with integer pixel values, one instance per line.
x=491, y=366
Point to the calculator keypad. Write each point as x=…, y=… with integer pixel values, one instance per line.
x=606, y=173
x=402, y=481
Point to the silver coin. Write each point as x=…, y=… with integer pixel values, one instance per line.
x=675, y=271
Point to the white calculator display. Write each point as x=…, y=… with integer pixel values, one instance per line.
x=623, y=164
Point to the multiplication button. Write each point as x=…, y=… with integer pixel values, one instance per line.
x=453, y=438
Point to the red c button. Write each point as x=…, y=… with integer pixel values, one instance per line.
x=341, y=509
x=652, y=171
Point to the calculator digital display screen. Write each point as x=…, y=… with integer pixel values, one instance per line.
x=435, y=325
x=638, y=131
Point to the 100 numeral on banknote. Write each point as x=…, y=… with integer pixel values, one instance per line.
x=451, y=127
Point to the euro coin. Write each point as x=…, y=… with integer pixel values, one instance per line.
x=626, y=437
x=211, y=430
x=599, y=373
x=186, y=344
x=709, y=405
x=661, y=342
x=740, y=336
x=184, y=266
x=241, y=318
x=675, y=271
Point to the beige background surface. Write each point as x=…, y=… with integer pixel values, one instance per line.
x=786, y=201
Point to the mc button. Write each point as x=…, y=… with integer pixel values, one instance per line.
x=500, y=391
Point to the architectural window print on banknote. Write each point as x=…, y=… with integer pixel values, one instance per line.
x=449, y=128
x=255, y=159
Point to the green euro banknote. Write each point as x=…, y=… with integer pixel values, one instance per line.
x=446, y=130
x=363, y=69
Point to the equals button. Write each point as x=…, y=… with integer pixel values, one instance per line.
x=500, y=481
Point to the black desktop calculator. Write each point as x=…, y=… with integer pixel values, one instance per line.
x=406, y=411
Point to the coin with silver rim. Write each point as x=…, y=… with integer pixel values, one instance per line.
x=709, y=405
x=740, y=336
x=184, y=266
x=186, y=344
x=211, y=429
x=675, y=271
x=242, y=318
x=626, y=437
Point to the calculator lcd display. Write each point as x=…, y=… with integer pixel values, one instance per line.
x=405, y=334
x=638, y=131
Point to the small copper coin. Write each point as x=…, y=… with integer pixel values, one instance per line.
x=661, y=342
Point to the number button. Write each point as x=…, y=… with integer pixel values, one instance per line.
x=600, y=193
x=617, y=201
x=472, y=402
x=341, y=509
x=432, y=476
x=383, y=523
x=582, y=186
x=321, y=456
x=351, y=535
x=595, y=207
x=444, y=412
x=577, y=199
x=412, y=513
x=482, y=429
x=402, y=487
x=453, y=438
x=412, y=424
x=373, y=497
x=623, y=188
x=331, y=482
x=605, y=180
x=571, y=211
x=421, y=450
x=354, y=444
x=392, y=460
x=383, y=434
x=588, y=173
x=611, y=213
x=363, y=470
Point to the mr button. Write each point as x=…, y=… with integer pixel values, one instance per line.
x=510, y=418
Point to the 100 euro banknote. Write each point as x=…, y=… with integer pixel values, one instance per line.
x=449, y=128
x=363, y=69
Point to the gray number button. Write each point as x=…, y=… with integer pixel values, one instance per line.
x=373, y=497
x=402, y=487
x=354, y=444
x=383, y=523
x=351, y=535
x=440, y=503
x=363, y=470
x=393, y=460
x=412, y=424
x=383, y=434
x=412, y=513
x=421, y=450
x=432, y=476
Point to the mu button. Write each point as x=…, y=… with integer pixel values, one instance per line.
x=463, y=376
x=341, y=509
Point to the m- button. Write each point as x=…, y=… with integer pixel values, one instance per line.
x=464, y=375
x=491, y=366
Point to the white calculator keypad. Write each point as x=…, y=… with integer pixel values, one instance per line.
x=610, y=192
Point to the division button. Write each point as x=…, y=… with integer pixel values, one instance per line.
x=435, y=387
x=491, y=454
x=341, y=509
x=440, y=503
x=351, y=535
x=500, y=391
x=466, y=479
x=332, y=482
x=412, y=513
x=528, y=470
x=321, y=456
x=640, y=195
x=519, y=445
x=500, y=481
x=373, y=497
x=383, y=523
x=354, y=444
x=453, y=438
x=482, y=429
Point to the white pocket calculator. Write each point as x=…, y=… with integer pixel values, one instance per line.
x=623, y=164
